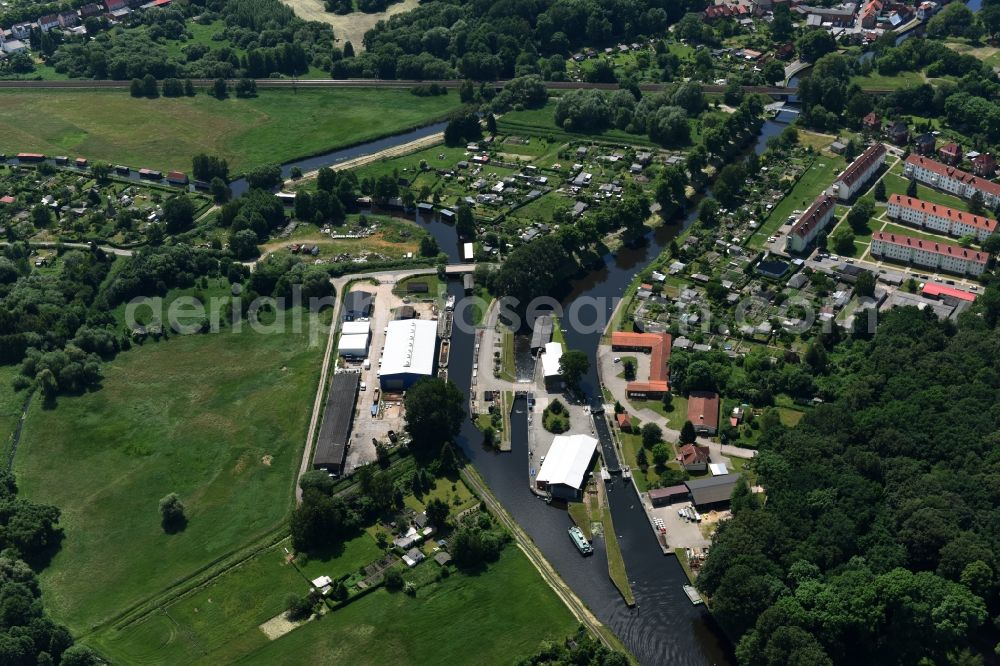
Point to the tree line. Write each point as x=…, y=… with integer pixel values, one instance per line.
x=877, y=540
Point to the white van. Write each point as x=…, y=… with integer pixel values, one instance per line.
x=367, y=365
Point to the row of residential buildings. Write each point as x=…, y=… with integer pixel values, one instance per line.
x=928, y=253
x=848, y=184
x=13, y=39
x=941, y=219
x=952, y=180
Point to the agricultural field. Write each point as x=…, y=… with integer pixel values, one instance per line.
x=211, y=417
x=165, y=133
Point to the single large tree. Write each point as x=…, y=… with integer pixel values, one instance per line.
x=434, y=412
x=178, y=214
x=172, y=516
x=573, y=365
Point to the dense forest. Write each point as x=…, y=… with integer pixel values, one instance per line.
x=877, y=538
x=488, y=40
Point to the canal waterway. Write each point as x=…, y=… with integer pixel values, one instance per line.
x=664, y=627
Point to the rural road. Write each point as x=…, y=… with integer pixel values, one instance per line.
x=394, y=151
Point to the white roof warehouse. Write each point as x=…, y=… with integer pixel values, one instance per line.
x=409, y=353
x=566, y=465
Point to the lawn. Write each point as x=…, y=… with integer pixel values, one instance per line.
x=814, y=180
x=346, y=559
x=895, y=184
x=913, y=232
x=506, y=611
x=675, y=417
x=218, y=418
x=277, y=126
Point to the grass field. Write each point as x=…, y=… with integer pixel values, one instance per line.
x=216, y=624
x=277, y=126
x=11, y=403
x=217, y=418
x=541, y=122
x=878, y=81
x=500, y=614
x=507, y=608
x=815, y=179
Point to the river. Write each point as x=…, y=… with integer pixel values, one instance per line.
x=663, y=628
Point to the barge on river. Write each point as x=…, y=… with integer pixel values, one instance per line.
x=580, y=541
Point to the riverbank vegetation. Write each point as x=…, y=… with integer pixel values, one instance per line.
x=166, y=133
x=905, y=560
x=616, y=562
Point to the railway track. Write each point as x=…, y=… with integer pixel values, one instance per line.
x=404, y=84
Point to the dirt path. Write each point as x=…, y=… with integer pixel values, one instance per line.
x=395, y=151
x=347, y=27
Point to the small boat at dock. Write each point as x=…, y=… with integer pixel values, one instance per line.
x=580, y=541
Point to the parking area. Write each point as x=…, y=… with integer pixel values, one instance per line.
x=682, y=532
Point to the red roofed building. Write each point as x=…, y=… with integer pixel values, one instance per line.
x=668, y=495
x=935, y=290
x=177, y=178
x=872, y=123
x=984, y=165
x=952, y=180
x=942, y=219
x=859, y=172
x=703, y=412
x=930, y=254
x=48, y=22
x=624, y=422
x=6, y=199
x=657, y=345
x=693, y=457
x=950, y=153
x=115, y=5
x=810, y=223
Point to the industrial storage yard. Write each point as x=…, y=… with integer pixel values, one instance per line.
x=388, y=339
